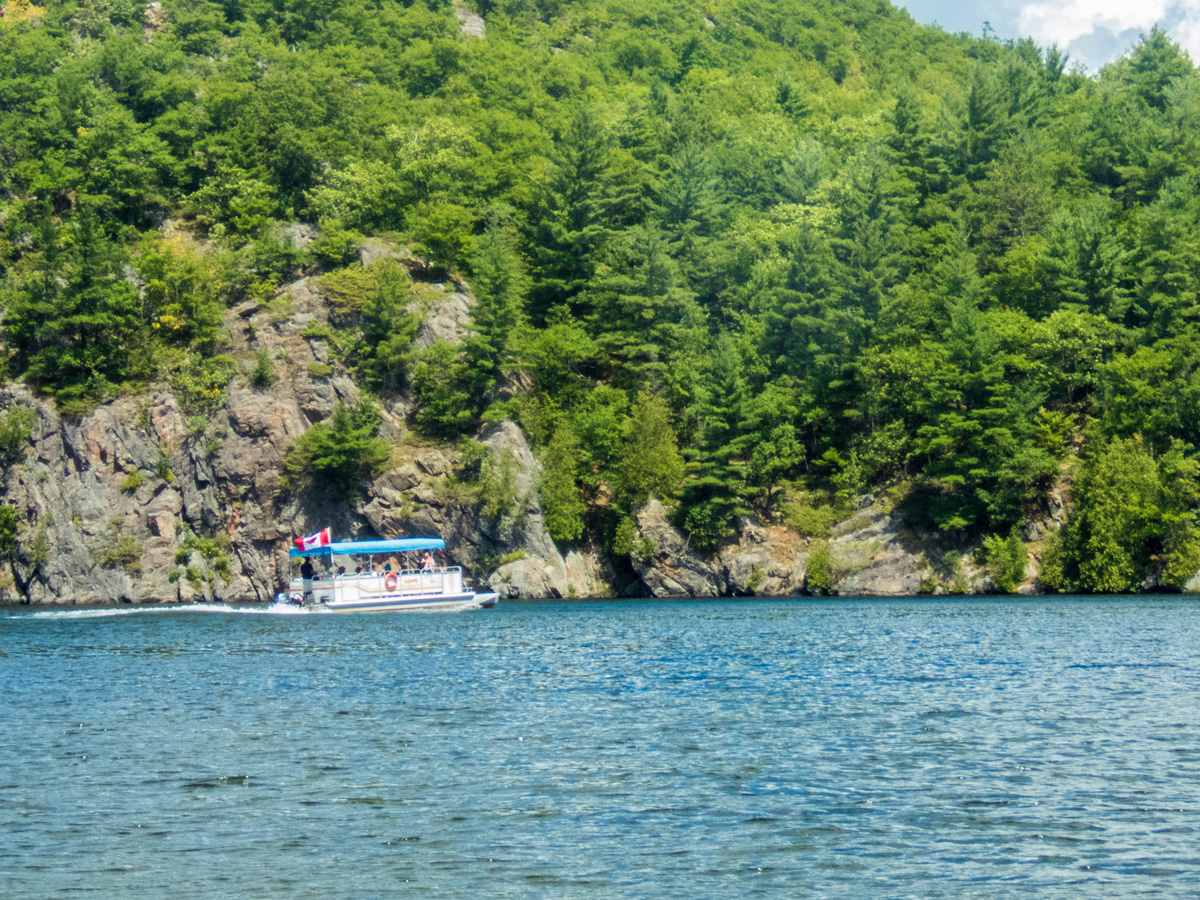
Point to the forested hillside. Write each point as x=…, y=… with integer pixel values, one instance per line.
x=752, y=257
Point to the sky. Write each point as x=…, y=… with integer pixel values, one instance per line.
x=1092, y=31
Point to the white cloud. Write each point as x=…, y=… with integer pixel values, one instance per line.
x=1089, y=22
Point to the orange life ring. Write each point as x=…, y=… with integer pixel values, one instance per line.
x=390, y=581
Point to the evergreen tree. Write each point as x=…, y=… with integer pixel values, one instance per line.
x=712, y=495
x=81, y=338
x=499, y=285
x=572, y=225
x=650, y=463
x=562, y=506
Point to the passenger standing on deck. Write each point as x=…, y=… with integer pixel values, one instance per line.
x=427, y=562
x=306, y=572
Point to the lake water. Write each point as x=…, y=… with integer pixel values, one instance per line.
x=840, y=749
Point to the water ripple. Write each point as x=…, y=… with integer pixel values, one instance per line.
x=840, y=749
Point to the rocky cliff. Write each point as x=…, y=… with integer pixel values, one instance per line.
x=138, y=502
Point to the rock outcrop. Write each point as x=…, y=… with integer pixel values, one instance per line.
x=142, y=501
x=139, y=502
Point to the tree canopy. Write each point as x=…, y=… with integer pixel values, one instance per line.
x=719, y=250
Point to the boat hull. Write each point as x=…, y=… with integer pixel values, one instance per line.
x=404, y=591
x=412, y=604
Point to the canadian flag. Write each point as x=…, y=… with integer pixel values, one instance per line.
x=319, y=539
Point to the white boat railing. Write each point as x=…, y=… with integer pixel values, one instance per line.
x=439, y=580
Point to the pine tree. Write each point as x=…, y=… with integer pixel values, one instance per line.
x=572, y=225
x=558, y=491
x=713, y=494
x=650, y=463
x=81, y=340
x=499, y=284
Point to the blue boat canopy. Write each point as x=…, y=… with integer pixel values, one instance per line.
x=361, y=548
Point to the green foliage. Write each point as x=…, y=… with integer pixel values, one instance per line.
x=76, y=326
x=441, y=385
x=120, y=551
x=1005, y=558
x=132, y=481
x=754, y=582
x=8, y=530
x=815, y=244
x=263, y=374
x=1134, y=517
x=501, y=505
x=339, y=454
x=16, y=432
x=36, y=551
x=200, y=382
x=811, y=516
x=387, y=329
x=650, y=463
x=644, y=550
x=162, y=466
x=818, y=576
x=624, y=533
x=214, y=550
x=558, y=491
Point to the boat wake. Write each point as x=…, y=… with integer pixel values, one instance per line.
x=275, y=609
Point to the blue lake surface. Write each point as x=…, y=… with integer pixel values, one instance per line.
x=844, y=749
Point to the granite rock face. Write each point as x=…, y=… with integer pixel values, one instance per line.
x=140, y=502
x=872, y=555
x=666, y=564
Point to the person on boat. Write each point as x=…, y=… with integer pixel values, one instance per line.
x=306, y=572
x=427, y=562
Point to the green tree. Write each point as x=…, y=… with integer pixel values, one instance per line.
x=388, y=329
x=1134, y=517
x=340, y=454
x=562, y=506
x=500, y=284
x=1005, y=559
x=77, y=330
x=650, y=463
x=441, y=385
x=714, y=491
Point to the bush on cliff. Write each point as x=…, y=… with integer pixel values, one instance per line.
x=338, y=455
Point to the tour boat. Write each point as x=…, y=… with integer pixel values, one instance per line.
x=392, y=587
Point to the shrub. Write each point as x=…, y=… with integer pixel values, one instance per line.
x=515, y=556
x=336, y=247
x=754, y=582
x=339, y=454
x=818, y=578
x=644, y=551
x=624, y=533
x=1004, y=559
x=162, y=466
x=8, y=530
x=808, y=516
x=120, y=551
x=132, y=482
x=263, y=375
x=559, y=490
x=501, y=507
x=16, y=431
